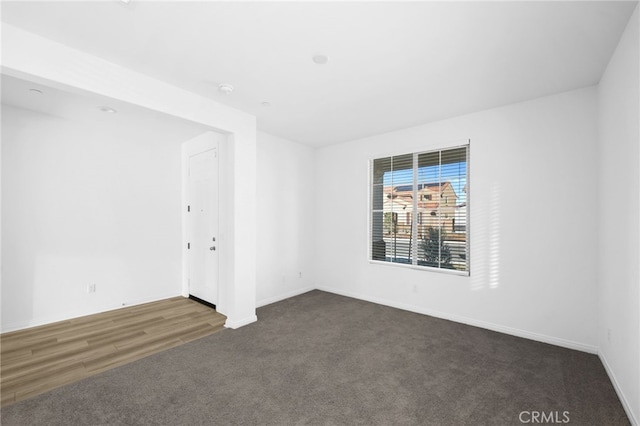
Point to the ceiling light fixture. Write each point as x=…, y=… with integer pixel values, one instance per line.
x=225, y=88
x=107, y=109
x=320, y=59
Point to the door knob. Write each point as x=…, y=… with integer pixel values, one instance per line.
x=212, y=248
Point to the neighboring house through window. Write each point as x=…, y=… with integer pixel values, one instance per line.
x=431, y=188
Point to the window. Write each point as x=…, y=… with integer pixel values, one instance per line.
x=434, y=185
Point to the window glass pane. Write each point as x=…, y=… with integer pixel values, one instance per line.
x=381, y=166
x=454, y=172
x=457, y=155
x=443, y=185
x=378, y=251
x=399, y=206
x=429, y=159
x=379, y=169
x=434, y=212
x=428, y=206
x=377, y=197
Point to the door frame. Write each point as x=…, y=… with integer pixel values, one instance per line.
x=205, y=142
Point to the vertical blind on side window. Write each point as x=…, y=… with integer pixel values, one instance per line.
x=419, y=209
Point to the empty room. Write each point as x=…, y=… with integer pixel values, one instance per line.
x=340, y=213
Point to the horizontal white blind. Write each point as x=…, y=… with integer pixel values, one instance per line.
x=419, y=209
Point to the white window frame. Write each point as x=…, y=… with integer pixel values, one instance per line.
x=466, y=144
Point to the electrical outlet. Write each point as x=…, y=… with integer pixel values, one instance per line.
x=299, y=274
x=91, y=288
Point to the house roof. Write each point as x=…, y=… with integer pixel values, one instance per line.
x=407, y=190
x=421, y=186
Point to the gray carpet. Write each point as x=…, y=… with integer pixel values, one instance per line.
x=325, y=359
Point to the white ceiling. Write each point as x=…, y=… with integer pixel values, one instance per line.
x=73, y=106
x=391, y=64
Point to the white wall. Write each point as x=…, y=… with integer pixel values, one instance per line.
x=619, y=218
x=533, y=219
x=88, y=202
x=31, y=57
x=286, y=218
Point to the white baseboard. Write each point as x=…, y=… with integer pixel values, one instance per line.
x=469, y=321
x=49, y=319
x=270, y=300
x=616, y=386
x=240, y=323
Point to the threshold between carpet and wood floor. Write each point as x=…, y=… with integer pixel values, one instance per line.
x=38, y=359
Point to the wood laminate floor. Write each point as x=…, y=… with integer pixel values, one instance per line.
x=36, y=360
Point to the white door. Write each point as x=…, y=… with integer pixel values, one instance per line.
x=202, y=225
